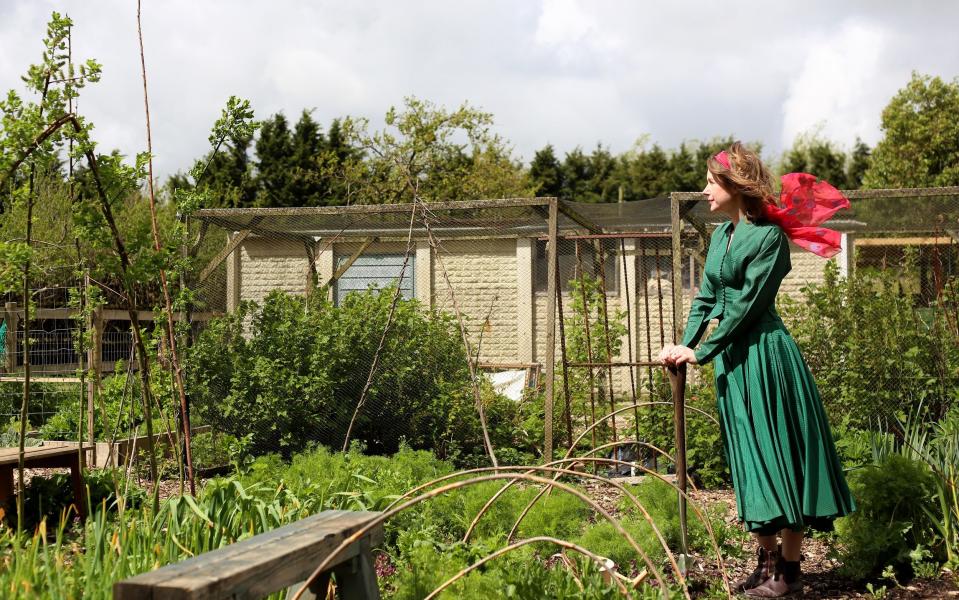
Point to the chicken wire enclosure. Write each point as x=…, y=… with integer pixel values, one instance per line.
x=912, y=231
x=486, y=265
x=53, y=360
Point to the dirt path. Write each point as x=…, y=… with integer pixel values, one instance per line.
x=819, y=570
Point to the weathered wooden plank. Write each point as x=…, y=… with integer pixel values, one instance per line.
x=209, y=560
x=579, y=219
x=20, y=378
x=343, y=268
x=551, y=270
x=365, y=209
x=114, y=314
x=37, y=454
x=942, y=240
x=356, y=579
x=257, y=566
x=270, y=568
x=226, y=251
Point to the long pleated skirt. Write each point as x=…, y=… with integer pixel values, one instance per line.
x=781, y=453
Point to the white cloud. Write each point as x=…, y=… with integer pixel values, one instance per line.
x=570, y=72
x=308, y=77
x=568, y=29
x=842, y=85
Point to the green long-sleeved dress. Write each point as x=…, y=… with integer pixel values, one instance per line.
x=781, y=453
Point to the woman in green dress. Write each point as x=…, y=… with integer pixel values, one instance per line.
x=785, y=470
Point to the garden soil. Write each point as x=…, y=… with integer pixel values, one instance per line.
x=819, y=569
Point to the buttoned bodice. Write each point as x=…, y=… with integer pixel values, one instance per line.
x=739, y=284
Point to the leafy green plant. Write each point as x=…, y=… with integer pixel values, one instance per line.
x=705, y=455
x=212, y=449
x=872, y=350
x=120, y=412
x=290, y=373
x=49, y=497
x=891, y=519
x=586, y=325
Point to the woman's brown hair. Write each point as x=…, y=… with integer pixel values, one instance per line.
x=746, y=176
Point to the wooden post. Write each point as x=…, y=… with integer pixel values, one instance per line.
x=94, y=358
x=677, y=377
x=552, y=253
x=846, y=256
x=10, y=340
x=312, y=277
x=356, y=578
x=677, y=227
x=677, y=383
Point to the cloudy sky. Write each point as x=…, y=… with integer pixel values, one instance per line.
x=566, y=72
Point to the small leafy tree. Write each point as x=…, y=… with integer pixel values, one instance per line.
x=31, y=136
x=588, y=326
x=430, y=153
x=920, y=147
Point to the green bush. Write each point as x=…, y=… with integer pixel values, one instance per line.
x=118, y=392
x=211, y=449
x=288, y=372
x=520, y=575
x=873, y=350
x=46, y=399
x=891, y=519
x=588, y=299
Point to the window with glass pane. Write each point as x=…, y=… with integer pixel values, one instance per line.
x=569, y=265
x=659, y=266
x=377, y=271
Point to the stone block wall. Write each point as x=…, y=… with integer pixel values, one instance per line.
x=270, y=264
x=482, y=278
x=492, y=281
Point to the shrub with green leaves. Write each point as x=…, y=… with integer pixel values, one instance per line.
x=290, y=372
x=873, y=351
x=121, y=404
x=49, y=496
x=893, y=500
x=705, y=456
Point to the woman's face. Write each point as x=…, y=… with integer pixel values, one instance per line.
x=719, y=199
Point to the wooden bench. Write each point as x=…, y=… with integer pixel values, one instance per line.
x=271, y=561
x=44, y=457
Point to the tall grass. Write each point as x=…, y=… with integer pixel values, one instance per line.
x=423, y=546
x=83, y=561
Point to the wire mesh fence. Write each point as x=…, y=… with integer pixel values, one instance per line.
x=891, y=287
x=544, y=357
x=619, y=287
x=463, y=328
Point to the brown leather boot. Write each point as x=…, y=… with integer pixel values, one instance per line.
x=764, y=569
x=786, y=579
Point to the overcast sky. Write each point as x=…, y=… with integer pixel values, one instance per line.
x=565, y=72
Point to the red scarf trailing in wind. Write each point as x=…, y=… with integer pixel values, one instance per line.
x=804, y=205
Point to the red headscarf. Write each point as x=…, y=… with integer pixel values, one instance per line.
x=804, y=204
